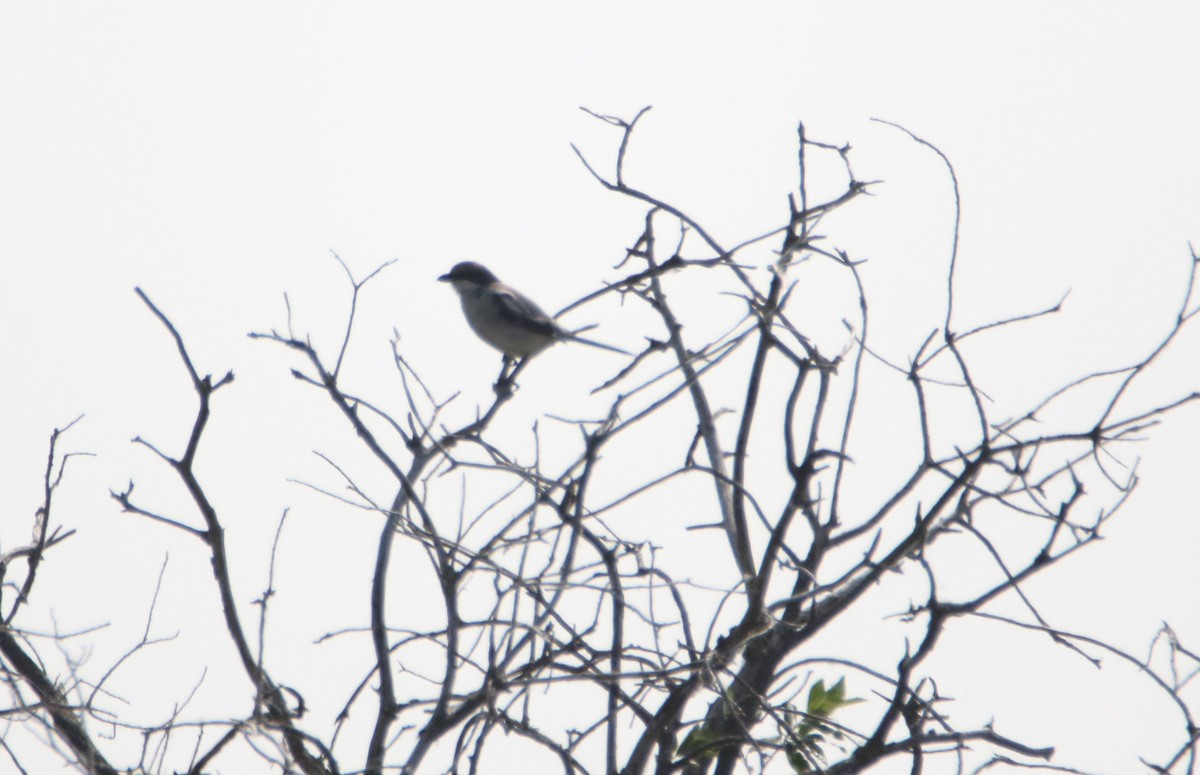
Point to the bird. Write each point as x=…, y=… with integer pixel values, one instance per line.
x=504, y=317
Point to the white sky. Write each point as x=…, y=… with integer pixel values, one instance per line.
x=214, y=154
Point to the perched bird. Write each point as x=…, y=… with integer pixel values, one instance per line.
x=505, y=318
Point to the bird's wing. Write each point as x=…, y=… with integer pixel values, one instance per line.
x=523, y=313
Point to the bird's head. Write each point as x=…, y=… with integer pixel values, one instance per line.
x=468, y=275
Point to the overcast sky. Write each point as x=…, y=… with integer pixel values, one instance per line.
x=215, y=153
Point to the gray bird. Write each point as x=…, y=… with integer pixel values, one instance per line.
x=505, y=318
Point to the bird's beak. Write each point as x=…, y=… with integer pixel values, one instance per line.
x=444, y=278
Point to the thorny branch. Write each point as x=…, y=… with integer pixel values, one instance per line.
x=572, y=619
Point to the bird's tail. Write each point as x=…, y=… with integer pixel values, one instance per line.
x=601, y=345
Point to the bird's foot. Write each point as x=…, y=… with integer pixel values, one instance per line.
x=504, y=388
x=506, y=384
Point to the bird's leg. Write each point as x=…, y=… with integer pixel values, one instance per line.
x=508, y=371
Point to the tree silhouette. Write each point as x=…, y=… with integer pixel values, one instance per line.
x=564, y=624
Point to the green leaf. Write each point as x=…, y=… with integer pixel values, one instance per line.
x=807, y=732
x=700, y=739
x=799, y=762
x=817, y=692
x=822, y=702
x=838, y=692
